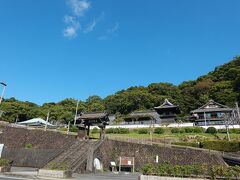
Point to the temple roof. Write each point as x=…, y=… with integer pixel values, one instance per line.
x=166, y=104
x=212, y=106
x=93, y=115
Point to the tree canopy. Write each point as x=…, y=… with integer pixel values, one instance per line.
x=221, y=85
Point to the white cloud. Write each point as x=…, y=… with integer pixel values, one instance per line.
x=90, y=27
x=72, y=26
x=114, y=29
x=70, y=32
x=79, y=7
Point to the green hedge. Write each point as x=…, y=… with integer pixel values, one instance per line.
x=167, y=169
x=95, y=130
x=117, y=131
x=159, y=130
x=211, y=130
x=187, y=130
x=191, y=144
x=143, y=131
x=227, y=146
x=4, y=162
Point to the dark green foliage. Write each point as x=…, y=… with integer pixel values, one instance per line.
x=177, y=130
x=73, y=129
x=62, y=166
x=211, y=130
x=28, y=146
x=193, y=130
x=143, y=131
x=117, y=131
x=167, y=169
x=191, y=144
x=95, y=130
x=4, y=162
x=227, y=146
x=159, y=131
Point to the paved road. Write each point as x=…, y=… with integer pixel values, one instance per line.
x=100, y=176
x=108, y=176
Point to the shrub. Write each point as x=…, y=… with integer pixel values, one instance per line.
x=73, y=129
x=28, y=146
x=123, y=131
x=95, y=130
x=227, y=146
x=193, y=130
x=4, y=162
x=158, y=130
x=117, y=131
x=235, y=131
x=167, y=169
x=143, y=131
x=110, y=131
x=191, y=144
x=58, y=166
x=211, y=130
x=177, y=130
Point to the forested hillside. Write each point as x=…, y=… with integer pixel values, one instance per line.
x=221, y=85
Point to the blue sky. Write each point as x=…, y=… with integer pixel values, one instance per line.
x=51, y=50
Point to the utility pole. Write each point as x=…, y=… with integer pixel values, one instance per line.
x=47, y=120
x=75, y=118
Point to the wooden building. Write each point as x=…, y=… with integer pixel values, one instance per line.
x=212, y=113
x=144, y=117
x=167, y=112
x=85, y=120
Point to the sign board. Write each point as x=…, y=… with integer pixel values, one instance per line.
x=127, y=161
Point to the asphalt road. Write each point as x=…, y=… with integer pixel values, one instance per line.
x=100, y=176
x=108, y=176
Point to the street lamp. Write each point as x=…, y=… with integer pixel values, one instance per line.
x=4, y=87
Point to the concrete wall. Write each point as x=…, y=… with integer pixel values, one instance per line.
x=30, y=157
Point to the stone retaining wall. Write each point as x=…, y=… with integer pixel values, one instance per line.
x=111, y=150
x=36, y=158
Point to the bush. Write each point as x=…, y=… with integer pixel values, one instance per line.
x=191, y=144
x=193, y=130
x=58, y=166
x=117, y=131
x=143, y=131
x=28, y=146
x=177, y=130
x=73, y=129
x=95, y=130
x=167, y=169
x=158, y=130
x=211, y=130
x=235, y=131
x=227, y=146
x=4, y=162
x=110, y=131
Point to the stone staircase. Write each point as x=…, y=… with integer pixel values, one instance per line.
x=75, y=156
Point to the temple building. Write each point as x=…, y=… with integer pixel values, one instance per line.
x=212, y=113
x=85, y=120
x=144, y=117
x=167, y=112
